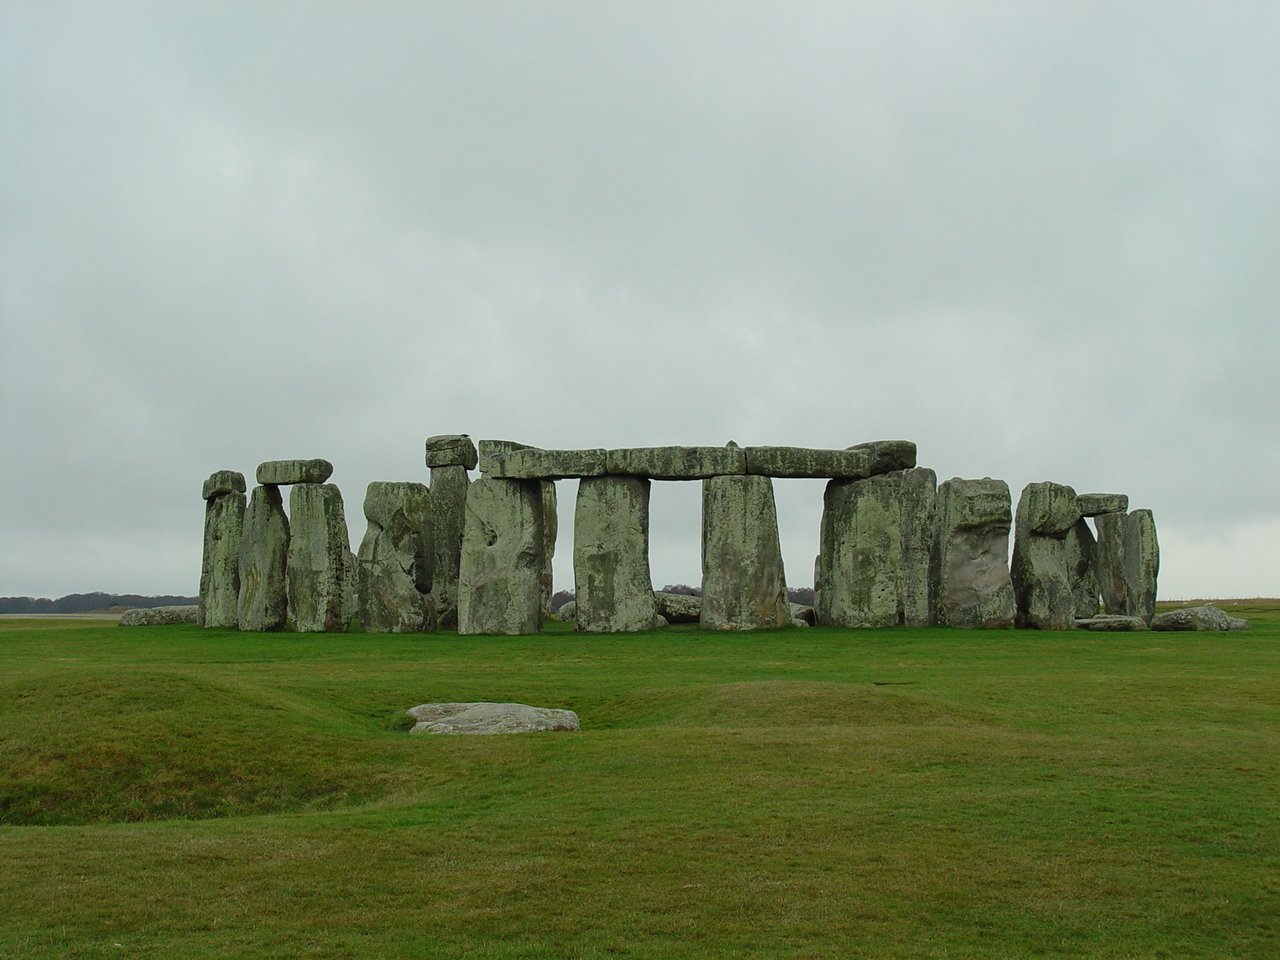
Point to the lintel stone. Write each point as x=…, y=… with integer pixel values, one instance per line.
x=280, y=472
x=1096, y=504
x=533, y=463
x=222, y=482
x=888, y=455
x=451, y=450
x=852, y=464
x=492, y=452
x=677, y=463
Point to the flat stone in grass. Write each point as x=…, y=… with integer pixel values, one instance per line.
x=1205, y=617
x=294, y=471
x=1115, y=624
x=482, y=718
x=158, y=616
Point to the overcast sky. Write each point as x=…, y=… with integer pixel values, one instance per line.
x=1042, y=240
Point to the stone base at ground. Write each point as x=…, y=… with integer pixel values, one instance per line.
x=481, y=718
x=1115, y=624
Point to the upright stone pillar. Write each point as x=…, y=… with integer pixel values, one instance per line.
x=743, y=583
x=318, y=569
x=612, y=584
x=394, y=562
x=1040, y=572
x=1081, y=548
x=550, y=528
x=449, y=456
x=969, y=581
x=264, y=548
x=502, y=544
x=1128, y=562
x=874, y=564
x=220, y=563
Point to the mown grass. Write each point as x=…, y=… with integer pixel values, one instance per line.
x=172, y=792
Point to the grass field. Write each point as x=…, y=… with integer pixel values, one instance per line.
x=172, y=792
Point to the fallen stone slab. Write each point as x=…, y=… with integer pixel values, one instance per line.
x=280, y=472
x=158, y=616
x=888, y=455
x=677, y=463
x=801, y=462
x=222, y=482
x=534, y=463
x=1116, y=624
x=1206, y=617
x=451, y=450
x=485, y=718
x=678, y=607
x=1094, y=504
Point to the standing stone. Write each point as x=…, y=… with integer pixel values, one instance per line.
x=502, y=542
x=969, y=581
x=264, y=548
x=394, y=562
x=1039, y=570
x=743, y=583
x=319, y=559
x=449, y=486
x=1081, y=551
x=550, y=528
x=612, y=586
x=220, y=562
x=874, y=564
x=1128, y=562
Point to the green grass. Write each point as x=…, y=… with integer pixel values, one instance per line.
x=172, y=792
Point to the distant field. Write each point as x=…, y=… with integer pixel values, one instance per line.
x=172, y=792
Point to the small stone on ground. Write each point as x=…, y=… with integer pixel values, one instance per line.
x=480, y=718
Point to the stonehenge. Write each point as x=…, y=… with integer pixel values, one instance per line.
x=896, y=547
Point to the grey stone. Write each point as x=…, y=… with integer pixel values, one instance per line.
x=797, y=622
x=1111, y=624
x=221, y=482
x=743, y=582
x=612, y=588
x=889, y=455
x=449, y=486
x=483, y=718
x=876, y=534
x=807, y=615
x=1128, y=563
x=1081, y=554
x=451, y=450
x=492, y=453
x=677, y=463
x=1039, y=569
x=158, y=616
x=969, y=564
x=220, y=560
x=280, y=472
x=660, y=621
x=550, y=529
x=1092, y=504
x=803, y=462
x=532, y=463
x=264, y=548
x=502, y=543
x=568, y=611
x=393, y=581
x=1205, y=617
x=318, y=568
x=678, y=607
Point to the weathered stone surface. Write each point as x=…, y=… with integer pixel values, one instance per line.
x=969, y=566
x=1081, y=551
x=797, y=622
x=876, y=534
x=803, y=462
x=502, y=542
x=550, y=529
x=220, y=561
x=1039, y=570
x=1206, y=617
x=393, y=566
x=1128, y=563
x=806, y=615
x=1112, y=624
x=678, y=607
x=743, y=582
x=221, y=482
x=677, y=463
x=888, y=455
x=492, y=453
x=451, y=450
x=1092, y=504
x=158, y=616
x=481, y=718
x=449, y=486
x=281, y=472
x=264, y=548
x=568, y=611
x=532, y=463
x=612, y=588
x=317, y=572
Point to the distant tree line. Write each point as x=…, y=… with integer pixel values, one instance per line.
x=801, y=595
x=86, y=602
